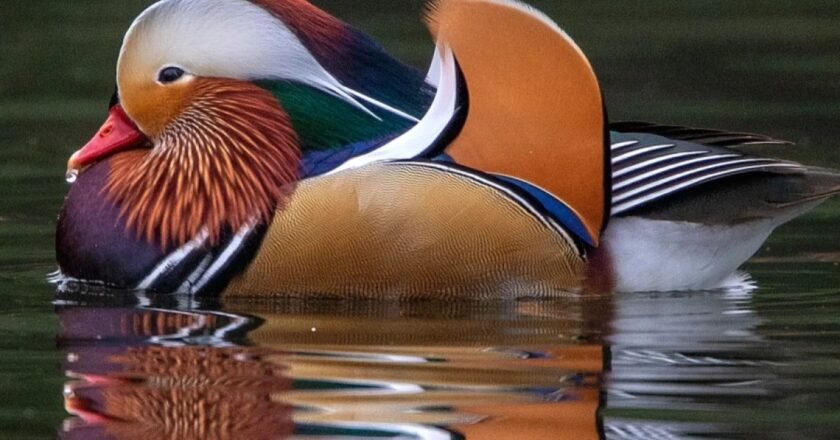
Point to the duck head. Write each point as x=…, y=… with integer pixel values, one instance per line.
x=198, y=141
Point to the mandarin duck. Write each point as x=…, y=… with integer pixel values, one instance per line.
x=257, y=147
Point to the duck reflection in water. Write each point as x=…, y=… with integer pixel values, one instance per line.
x=580, y=367
x=334, y=369
x=133, y=380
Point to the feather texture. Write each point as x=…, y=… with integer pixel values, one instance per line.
x=410, y=230
x=356, y=60
x=229, y=159
x=703, y=136
x=535, y=106
x=650, y=167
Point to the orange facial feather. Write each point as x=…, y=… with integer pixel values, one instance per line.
x=229, y=158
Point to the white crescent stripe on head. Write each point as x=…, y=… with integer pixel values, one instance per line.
x=225, y=39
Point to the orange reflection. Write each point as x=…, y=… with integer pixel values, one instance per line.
x=335, y=369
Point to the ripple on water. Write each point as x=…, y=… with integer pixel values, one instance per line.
x=686, y=365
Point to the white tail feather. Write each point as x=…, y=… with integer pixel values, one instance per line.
x=417, y=140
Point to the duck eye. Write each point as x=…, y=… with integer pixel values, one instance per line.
x=170, y=74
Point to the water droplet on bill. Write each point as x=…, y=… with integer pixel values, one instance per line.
x=71, y=176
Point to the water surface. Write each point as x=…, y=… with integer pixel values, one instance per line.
x=749, y=363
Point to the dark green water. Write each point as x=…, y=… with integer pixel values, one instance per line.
x=760, y=364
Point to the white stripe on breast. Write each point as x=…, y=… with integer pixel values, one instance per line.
x=230, y=250
x=186, y=287
x=173, y=260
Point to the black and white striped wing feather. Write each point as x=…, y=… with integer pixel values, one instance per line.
x=703, y=136
x=647, y=167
